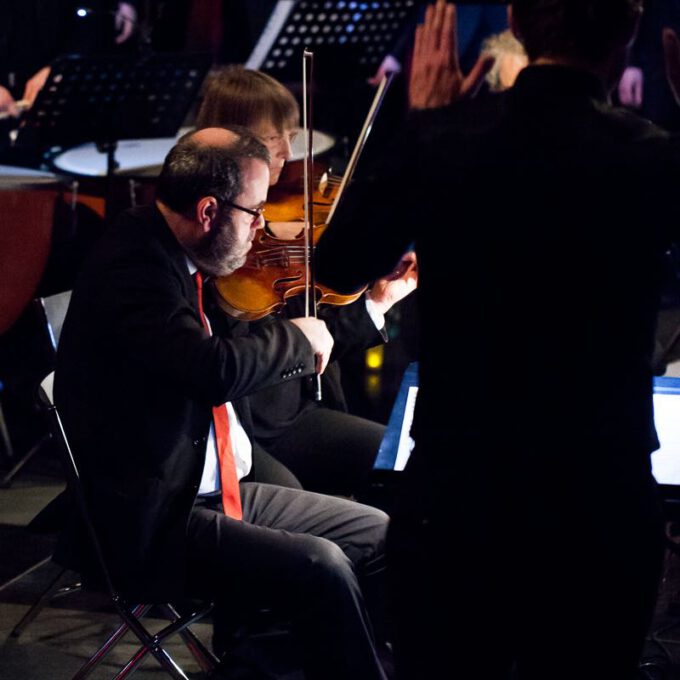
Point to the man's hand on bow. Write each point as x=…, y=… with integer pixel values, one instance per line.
x=316, y=331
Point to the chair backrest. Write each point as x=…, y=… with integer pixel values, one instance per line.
x=46, y=395
x=54, y=308
x=151, y=642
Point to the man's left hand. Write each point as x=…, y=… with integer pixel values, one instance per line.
x=403, y=280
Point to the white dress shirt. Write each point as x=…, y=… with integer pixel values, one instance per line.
x=240, y=443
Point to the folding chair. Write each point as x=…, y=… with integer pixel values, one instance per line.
x=49, y=313
x=130, y=614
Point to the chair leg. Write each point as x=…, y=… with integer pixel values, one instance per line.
x=28, y=571
x=99, y=655
x=163, y=658
x=8, y=450
x=39, y=604
x=9, y=477
x=205, y=658
x=153, y=644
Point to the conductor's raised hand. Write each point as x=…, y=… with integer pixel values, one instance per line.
x=436, y=79
x=126, y=20
x=319, y=338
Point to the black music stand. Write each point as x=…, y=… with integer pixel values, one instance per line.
x=104, y=99
x=349, y=37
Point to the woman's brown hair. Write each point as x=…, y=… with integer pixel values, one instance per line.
x=238, y=96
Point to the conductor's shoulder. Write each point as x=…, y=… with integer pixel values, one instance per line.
x=469, y=116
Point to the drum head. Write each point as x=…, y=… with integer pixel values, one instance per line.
x=14, y=177
x=144, y=157
x=135, y=158
x=321, y=142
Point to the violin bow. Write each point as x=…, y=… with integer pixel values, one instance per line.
x=361, y=140
x=308, y=131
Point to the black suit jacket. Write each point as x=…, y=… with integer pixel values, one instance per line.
x=540, y=218
x=135, y=383
x=279, y=407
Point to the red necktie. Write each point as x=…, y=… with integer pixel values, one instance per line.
x=231, y=497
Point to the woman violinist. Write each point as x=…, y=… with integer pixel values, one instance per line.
x=326, y=448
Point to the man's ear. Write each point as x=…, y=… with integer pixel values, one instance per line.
x=206, y=212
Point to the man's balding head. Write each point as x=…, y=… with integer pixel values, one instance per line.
x=207, y=163
x=216, y=136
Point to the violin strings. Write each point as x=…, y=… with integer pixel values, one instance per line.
x=282, y=256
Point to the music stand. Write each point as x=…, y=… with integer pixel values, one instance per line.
x=104, y=99
x=350, y=38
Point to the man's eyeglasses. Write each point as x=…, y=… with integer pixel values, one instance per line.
x=255, y=212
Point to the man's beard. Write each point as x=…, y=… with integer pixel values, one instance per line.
x=218, y=252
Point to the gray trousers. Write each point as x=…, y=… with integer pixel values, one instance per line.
x=304, y=555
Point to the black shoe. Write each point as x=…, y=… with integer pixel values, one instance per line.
x=386, y=657
x=654, y=668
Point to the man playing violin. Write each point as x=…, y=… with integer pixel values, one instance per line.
x=325, y=447
x=143, y=381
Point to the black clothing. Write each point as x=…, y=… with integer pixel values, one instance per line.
x=136, y=379
x=352, y=330
x=327, y=449
x=135, y=382
x=293, y=549
x=534, y=459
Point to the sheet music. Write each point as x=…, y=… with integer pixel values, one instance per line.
x=271, y=32
x=406, y=442
x=666, y=461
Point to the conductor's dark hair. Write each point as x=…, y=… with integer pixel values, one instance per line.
x=586, y=30
x=193, y=170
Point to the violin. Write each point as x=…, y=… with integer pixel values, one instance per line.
x=286, y=205
x=277, y=269
x=274, y=271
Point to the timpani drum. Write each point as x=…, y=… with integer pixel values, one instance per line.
x=27, y=205
x=143, y=158
x=139, y=162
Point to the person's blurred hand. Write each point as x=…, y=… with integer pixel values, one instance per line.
x=7, y=103
x=631, y=87
x=126, y=20
x=35, y=84
x=388, y=65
